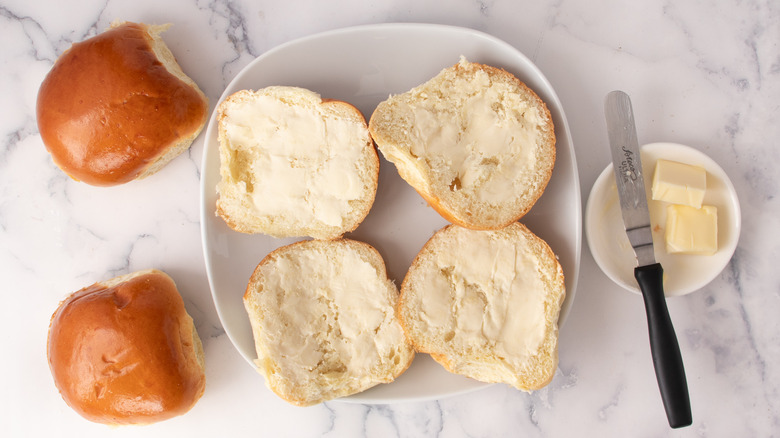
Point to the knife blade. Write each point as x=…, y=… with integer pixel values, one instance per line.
x=665, y=350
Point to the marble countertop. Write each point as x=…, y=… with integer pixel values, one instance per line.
x=700, y=74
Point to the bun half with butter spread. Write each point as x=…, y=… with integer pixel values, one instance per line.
x=293, y=164
x=474, y=141
x=485, y=304
x=125, y=351
x=323, y=315
x=117, y=107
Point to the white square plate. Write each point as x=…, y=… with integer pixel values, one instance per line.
x=363, y=66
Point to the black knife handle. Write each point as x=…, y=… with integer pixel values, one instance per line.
x=667, y=359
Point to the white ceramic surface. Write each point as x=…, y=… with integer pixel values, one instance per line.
x=363, y=65
x=683, y=273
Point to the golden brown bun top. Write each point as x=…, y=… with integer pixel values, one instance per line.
x=109, y=108
x=126, y=352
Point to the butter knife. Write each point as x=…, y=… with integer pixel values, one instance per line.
x=665, y=350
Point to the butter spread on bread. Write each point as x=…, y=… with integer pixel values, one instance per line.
x=474, y=141
x=293, y=164
x=485, y=304
x=323, y=315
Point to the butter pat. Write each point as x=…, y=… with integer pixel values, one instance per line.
x=691, y=230
x=679, y=183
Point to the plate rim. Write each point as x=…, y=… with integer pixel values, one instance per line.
x=552, y=99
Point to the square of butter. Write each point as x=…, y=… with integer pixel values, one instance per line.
x=691, y=230
x=679, y=183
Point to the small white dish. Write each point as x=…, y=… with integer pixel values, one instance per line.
x=364, y=65
x=683, y=273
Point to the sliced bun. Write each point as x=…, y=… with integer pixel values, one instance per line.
x=474, y=141
x=125, y=351
x=485, y=304
x=323, y=314
x=117, y=107
x=294, y=165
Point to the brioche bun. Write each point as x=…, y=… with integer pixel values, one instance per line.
x=125, y=351
x=323, y=315
x=117, y=107
x=485, y=304
x=293, y=164
x=474, y=141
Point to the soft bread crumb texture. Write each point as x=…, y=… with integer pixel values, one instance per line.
x=118, y=107
x=485, y=304
x=323, y=315
x=293, y=164
x=474, y=141
x=125, y=351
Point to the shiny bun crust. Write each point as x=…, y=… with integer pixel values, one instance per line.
x=125, y=351
x=117, y=107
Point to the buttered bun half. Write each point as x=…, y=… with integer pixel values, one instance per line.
x=125, y=351
x=323, y=315
x=293, y=164
x=118, y=107
x=474, y=141
x=485, y=304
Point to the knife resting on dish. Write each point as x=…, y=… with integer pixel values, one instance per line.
x=665, y=349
